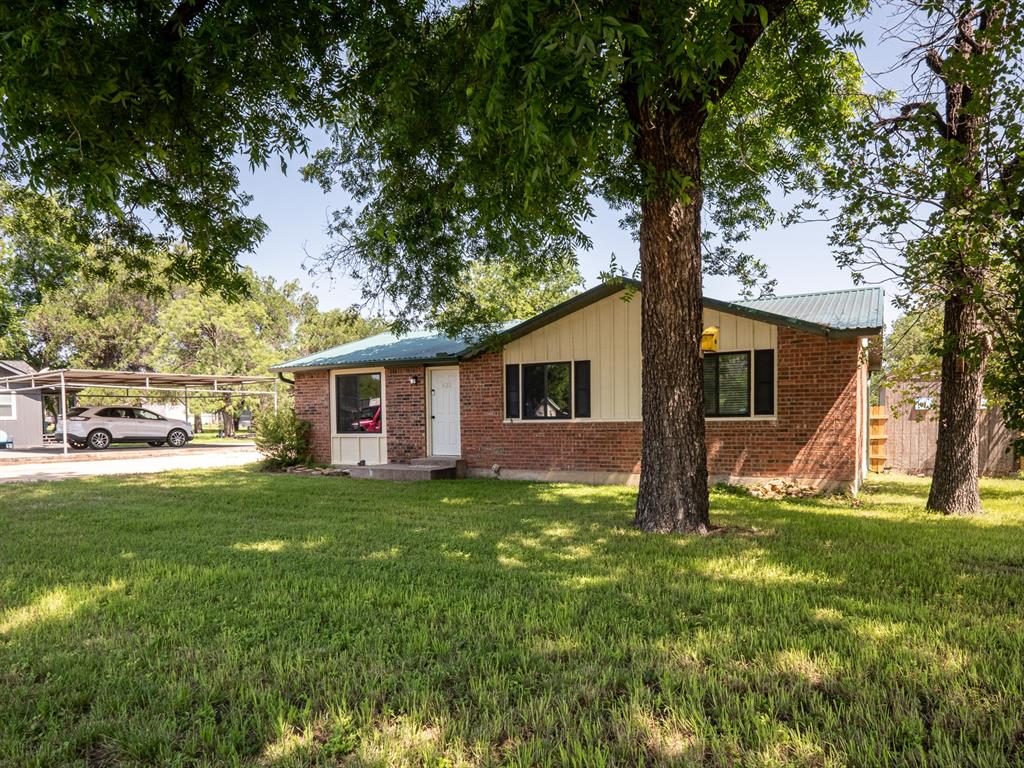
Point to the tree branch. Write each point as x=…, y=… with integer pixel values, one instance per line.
x=918, y=108
x=935, y=62
x=747, y=29
x=176, y=25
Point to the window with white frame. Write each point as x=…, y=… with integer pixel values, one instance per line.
x=6, y=405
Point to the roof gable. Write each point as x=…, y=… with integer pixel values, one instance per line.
x=17, y=366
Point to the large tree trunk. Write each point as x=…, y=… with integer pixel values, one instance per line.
x=954, y=487
x=674, y=479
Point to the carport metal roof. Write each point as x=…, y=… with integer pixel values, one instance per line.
x=78, y=378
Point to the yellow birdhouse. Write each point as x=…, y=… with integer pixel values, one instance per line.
x=709, y=339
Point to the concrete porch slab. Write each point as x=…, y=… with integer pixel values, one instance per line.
x=417, y=469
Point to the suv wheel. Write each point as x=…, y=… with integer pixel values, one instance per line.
x=99, y=440
x=77, y=445
x=155, y=443
x=177, y=438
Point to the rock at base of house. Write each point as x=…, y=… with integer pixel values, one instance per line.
x=782, y=489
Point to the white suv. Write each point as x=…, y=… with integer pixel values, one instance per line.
x=98, y=426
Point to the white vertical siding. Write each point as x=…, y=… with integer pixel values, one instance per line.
x=607, y=333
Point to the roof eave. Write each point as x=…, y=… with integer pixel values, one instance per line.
x=854, y=333
x=436, y=360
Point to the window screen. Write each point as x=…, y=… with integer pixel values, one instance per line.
x=764, y=382
x=6, y=405
x=547, y=391
x=511, y=391
x=358, y=403
x=727, y=384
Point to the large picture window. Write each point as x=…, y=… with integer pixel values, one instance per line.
x=727, y=384
x=547, y=391
x=359, y=406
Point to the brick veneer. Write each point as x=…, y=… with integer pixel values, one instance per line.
x=312, y=393
x=405, y=413
x=577, y=446
x=813, y=438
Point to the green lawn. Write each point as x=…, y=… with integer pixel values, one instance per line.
x=232, y=617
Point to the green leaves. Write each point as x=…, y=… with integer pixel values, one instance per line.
x=480, y=133
x=123, y=123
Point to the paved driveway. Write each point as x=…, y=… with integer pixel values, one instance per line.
x=129, y=463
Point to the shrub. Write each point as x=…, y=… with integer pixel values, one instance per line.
x=282, y=438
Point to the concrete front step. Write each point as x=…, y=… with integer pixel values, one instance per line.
x=416, y=469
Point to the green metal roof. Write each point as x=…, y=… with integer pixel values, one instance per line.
x=854, y=309
x=415, y=347
x=835, y=314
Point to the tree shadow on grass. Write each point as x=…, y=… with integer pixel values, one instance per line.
x=303, y=621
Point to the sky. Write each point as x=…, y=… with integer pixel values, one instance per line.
x=297, y=213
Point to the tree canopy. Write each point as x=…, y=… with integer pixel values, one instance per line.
x=133, y=115
x=490, y=293
x=482, y=132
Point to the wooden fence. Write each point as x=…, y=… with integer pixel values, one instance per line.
x=909, y=443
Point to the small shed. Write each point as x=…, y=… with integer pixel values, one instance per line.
x=21, y=412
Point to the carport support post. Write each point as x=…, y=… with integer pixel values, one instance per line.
x=64, y=411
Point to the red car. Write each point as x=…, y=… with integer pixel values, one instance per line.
x=368, y=421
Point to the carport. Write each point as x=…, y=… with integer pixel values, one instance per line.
x=63, y=379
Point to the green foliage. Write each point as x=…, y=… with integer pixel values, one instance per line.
x=265, y=619
x=323, y=330
x=127, y=112
x=490, y=293
x=474, y=133
x=1005, y=375
x=930, y=196
x=282, y=438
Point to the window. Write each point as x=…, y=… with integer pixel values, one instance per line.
x=358, y=403
x=6, y=405
x=547, y=391
x=115, y=413
x=727, y=384
x=142, y=413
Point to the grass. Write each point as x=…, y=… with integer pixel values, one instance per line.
x=211, y=436
x=238, y=618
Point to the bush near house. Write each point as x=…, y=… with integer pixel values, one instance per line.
x=244, y=618
x=282, y=438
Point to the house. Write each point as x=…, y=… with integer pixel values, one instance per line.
x=21, y=413
x=558, y=395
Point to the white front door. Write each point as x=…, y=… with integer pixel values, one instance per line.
x=445, y=434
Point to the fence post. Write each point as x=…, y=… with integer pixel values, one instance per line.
x=877, y=438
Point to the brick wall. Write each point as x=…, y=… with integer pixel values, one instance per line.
x=405, y=413
x=312, y=393
x=813, y=438
x=578, y=446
